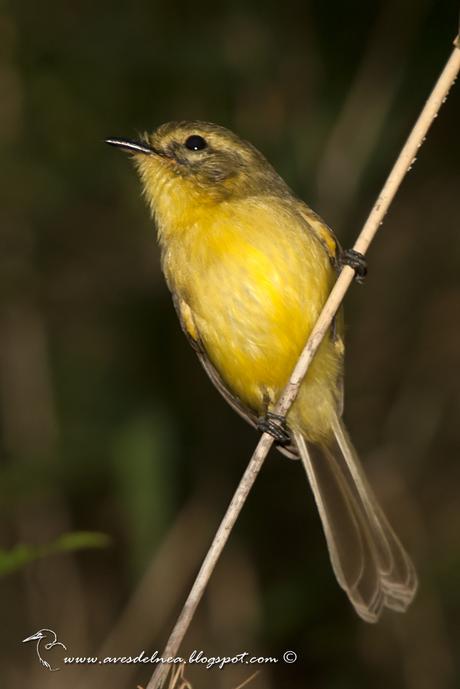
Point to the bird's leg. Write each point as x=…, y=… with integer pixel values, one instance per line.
x=275, y=425
x=352, y=258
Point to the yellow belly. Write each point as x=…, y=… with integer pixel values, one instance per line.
x=255, y=286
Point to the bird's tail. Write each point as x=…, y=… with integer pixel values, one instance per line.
x=369, y=562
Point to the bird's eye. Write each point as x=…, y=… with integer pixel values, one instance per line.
x=195, y=143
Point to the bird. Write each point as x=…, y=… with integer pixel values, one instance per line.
x=39, y=636
x=250, y=266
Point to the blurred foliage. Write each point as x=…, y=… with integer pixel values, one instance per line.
x=107, y=422
x=21, y=555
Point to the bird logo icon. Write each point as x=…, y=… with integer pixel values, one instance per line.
x=46, y=640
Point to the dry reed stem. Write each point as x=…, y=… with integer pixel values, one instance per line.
x=246, y=681
x=403, y=164
x=177, y=676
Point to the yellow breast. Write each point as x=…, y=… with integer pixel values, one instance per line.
x=255, y=280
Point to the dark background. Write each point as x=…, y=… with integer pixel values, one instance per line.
x=108, y=423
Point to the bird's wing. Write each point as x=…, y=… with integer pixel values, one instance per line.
x=188, y=326
x=321, y=230
x=333, y=249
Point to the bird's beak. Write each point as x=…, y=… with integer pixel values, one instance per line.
x=133, y=146
x=34, y=637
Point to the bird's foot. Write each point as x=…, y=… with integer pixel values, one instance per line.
x=275, y=425
x=352, y=258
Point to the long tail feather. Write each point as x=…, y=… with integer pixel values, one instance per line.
x=369, y=562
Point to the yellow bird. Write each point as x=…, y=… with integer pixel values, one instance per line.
x=250, y=267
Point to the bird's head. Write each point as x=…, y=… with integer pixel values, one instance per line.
x=185, y=165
